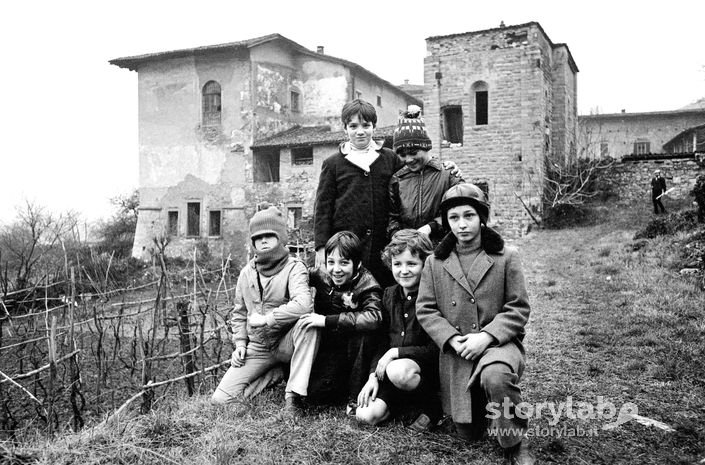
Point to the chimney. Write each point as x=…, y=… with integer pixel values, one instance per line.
x=406, y=82
x=319, y=49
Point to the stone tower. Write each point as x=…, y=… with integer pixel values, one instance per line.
x=502, y=103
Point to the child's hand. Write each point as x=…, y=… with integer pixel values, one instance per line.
x=368, y=393
x=425, y=230
x=238, y=358
x=312, y=320
x=256, y=320
x=453, y=167
x=389, y=356
x=320, y=261
x=471, y=346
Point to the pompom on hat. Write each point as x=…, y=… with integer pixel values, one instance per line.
x=269, y=221
x=410, y=132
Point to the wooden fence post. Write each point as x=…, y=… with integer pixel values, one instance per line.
x=185, y=340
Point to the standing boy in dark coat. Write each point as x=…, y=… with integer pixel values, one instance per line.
x=658, y=187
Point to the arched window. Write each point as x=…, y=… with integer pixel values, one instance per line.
x=482, y=102
x=211, y=104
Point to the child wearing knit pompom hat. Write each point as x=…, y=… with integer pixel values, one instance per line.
x=421, y=174
x=272, y=293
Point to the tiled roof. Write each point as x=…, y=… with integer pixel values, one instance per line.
x=312, y=135
x=133, y=62
x=694, y=111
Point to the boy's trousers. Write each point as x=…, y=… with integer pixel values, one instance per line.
x=298, y=346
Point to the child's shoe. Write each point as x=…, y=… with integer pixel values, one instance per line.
x=422, y=423
x=351, y=408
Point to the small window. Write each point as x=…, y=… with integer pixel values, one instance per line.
x=173, y=223
x=481, y=94
x=295, y=101
x=453, y=124
x=293, y=219
x=214, y=223
x=302, y=156
x=379, y=100
x=642, y=147
x=604, y=149
x=481, y=102
x=211, y=104
x=193, y=219
x=266, y=165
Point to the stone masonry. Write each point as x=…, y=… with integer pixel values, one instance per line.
x=531, y=112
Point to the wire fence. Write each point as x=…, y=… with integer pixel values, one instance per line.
x=67, y=356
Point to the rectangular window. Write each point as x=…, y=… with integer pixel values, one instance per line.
x=266, y=165
x=379, y=100
x=173, y=223
x=481, y=107
x=214, y=223
x=193, y=219
x=295, y=102
x=293, y=219
x=642, y=148
x=302, y=156
x=453, y=124
x=604, y=150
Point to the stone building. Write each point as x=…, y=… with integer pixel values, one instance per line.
x=502, y=103
x=618, y=135
x=200, y=111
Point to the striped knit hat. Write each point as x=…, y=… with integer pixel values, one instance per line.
x=411, y=131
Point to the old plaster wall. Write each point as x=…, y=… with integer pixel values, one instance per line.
x=508, y=153
x=620, y=131
x=182, y=161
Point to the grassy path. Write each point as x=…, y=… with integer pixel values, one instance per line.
x=607, y=321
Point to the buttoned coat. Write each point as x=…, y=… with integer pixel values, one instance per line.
x=491, y=298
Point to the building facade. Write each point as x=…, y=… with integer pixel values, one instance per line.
x=201, y=110
x=618, y=135
x=502, y=103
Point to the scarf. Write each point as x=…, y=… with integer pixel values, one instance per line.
x=361, y=158
x=272, y=261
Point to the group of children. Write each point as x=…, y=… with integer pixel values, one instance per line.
x=386, y=322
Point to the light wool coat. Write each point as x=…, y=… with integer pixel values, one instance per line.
x=491, y=298
x=281, y=298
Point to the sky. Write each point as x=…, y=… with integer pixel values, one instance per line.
x=68, y=119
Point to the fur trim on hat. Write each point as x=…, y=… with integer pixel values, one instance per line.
x=490, y=241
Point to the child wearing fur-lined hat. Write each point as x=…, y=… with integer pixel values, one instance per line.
x=473, y=303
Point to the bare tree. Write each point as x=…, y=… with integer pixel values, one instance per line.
x=26, y=241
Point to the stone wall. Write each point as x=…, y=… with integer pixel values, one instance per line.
x=630, y=179
x=509, y=153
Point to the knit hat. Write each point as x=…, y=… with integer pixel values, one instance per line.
x=411, y=131
x=269, y=221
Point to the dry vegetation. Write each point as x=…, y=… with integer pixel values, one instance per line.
x=610, y=319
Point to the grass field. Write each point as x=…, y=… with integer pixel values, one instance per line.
x=608, y=321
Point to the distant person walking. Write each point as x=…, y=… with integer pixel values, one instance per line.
x=658, y=187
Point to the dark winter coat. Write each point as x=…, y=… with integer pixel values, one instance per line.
x=658, y=186
x=415, y=197
x=491, y=298
x=352, y=199
x=403, y=329
x=355, y=307
x=350, y=337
